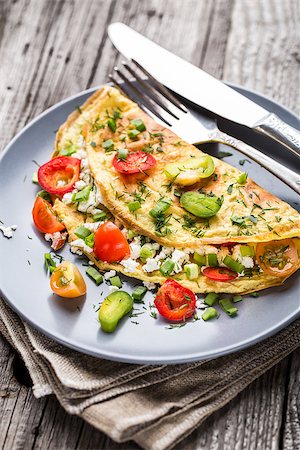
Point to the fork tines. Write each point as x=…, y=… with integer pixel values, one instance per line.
x=151, y=95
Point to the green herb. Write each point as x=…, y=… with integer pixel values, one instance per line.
x=161, y=207
x=199, y=259
x=209, y=314
x=212, y=260
x=254, y=294
x=139, y=293
x=116, y=281
x=228, y=307
x=95, y=275
x=45, y=195
x=133, y=134
x=96, y=125
x=122, y=153
x=49, y=263
x=78, y=109
x=211, y=298
x=153, y=315
x=122, y=138
x=108, y=145
x=242, y=161
x=167, y=267
x=99, y=216
x=134, y=206
x=111, y=123
x=138, y=124
x=82, y=196
x=82, y=232
x=161, y=225
x=222, y=155
x=242, y=178
x=229, y=189
x=232, y=264
x=93, y=144
x=237, y=298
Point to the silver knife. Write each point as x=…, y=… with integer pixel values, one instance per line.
x=183, y=77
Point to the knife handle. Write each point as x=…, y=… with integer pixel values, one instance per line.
x=289, y=177
x=283, y=133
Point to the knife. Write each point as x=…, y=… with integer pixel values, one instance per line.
x=201, y=88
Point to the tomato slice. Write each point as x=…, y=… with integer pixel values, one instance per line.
x=44, y=217
x=135, y=162
x=67, y=281
x=219, y=273
x=110, y=244
x=59, y=175
x=279, y=258
x=175, y=302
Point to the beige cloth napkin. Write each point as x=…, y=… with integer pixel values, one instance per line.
x=156, y=406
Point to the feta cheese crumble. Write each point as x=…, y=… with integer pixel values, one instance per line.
x=151, y=265
x=8, y=231
x=149, y=285
x=109, y=274
x=81, y=245
x=129, y=265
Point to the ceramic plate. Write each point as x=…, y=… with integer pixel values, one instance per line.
x=140, y=339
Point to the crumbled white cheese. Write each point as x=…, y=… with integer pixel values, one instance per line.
x=149, y=285
x=135, y=248
x=8, y=231
x=248, y=262
x=205, y=249
x=80, y=141
x=92, y=226
x=179, y=257
x=79, y=243
x=84, y=164
x=113, y=288
x=200, y=304
x=76, y=250
x=129, y=265
x=91, y=263
x=151, y=265
x=124, y=231
x=80, y=154
x=67, y=198
x=80, y=184
x=224, y=251
x=109, y=274
x=56, y=235
x=89, y=204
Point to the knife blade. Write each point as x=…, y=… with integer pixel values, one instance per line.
x=201, y=88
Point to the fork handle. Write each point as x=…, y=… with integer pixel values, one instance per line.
x=292, y=179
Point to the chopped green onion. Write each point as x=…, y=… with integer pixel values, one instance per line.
x=95, y=275
x=133, y=134
x=112, y=124
x=134, y=206
x=167, y=267
x=108, y=145
x=233, y=264
x=237, y=298
x=82, y=196
x=192, y=271
x=254, y=294
x=122, y=153
x=49, y=263
x=68, y=151
x=211, y=298
x=138, y=124
x=82, y=232
x=139, y=293
x=93, y=144
x=212, y=260
x=161, y=207
x=210, y=313
x=199, y=259
x=90, y=240
x=35, y=178
x=116, y=281
x=247, y=250
x=242, y=178
x=131, y=234
x=122, y=138
x=45, y=195
x=228, y=307
x=147, y=251
x=101, y=215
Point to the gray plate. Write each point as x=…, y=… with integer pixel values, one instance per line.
x=25, y=285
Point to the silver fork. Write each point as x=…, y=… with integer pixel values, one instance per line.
x=158, y=102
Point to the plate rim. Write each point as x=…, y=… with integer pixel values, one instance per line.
x=86, y=349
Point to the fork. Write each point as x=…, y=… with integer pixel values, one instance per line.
x=158, y=102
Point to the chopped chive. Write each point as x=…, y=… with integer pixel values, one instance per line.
x=93, y=144
x=167, y=267
x=199, y=259
x=192, y=271
x=45, y=195
x=242, y=178
x=228, y=307
x=212, y=260
x=211, y=298
x=209, y=314
x=82, y=232
x=116, y=281
x=146, y=252
x=138, y=124
x=139, y=293
x=108, y=145
x=90, y=240
x=49, y=263
x=237, y=298
x=161, y=207
x=82, y=195
x=233, y=264
x=35, y=178
x=101, y=215
x=134, y=206
x=112, y=124
x=133, y=134
x=122, y=153
x=95, y=275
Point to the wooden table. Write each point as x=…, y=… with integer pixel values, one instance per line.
x=51, y=49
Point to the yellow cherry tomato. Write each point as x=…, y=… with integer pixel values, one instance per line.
x=278, y=258
x=67, y=281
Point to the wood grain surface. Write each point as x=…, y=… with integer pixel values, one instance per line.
x=51, y=49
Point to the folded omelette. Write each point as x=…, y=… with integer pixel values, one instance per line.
x=186, y=215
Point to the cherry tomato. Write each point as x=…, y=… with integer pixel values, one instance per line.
x=279, y=258
x=175, y=302
x=110, y=244
x=59, y=175
x=67, y=281
x=219, y=273
x=135, y=162
x=44, y=217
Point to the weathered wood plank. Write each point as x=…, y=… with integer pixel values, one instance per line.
x=291, y=419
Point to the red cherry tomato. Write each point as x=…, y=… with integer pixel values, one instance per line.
x=175, y=302
x=59, y=175
x=44, y=217
x=135, y=162
x=219, y=273
x=110, y=244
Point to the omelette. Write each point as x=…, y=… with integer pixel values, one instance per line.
x=185, y=215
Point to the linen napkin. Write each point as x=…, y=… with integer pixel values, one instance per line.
x=154, y=405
